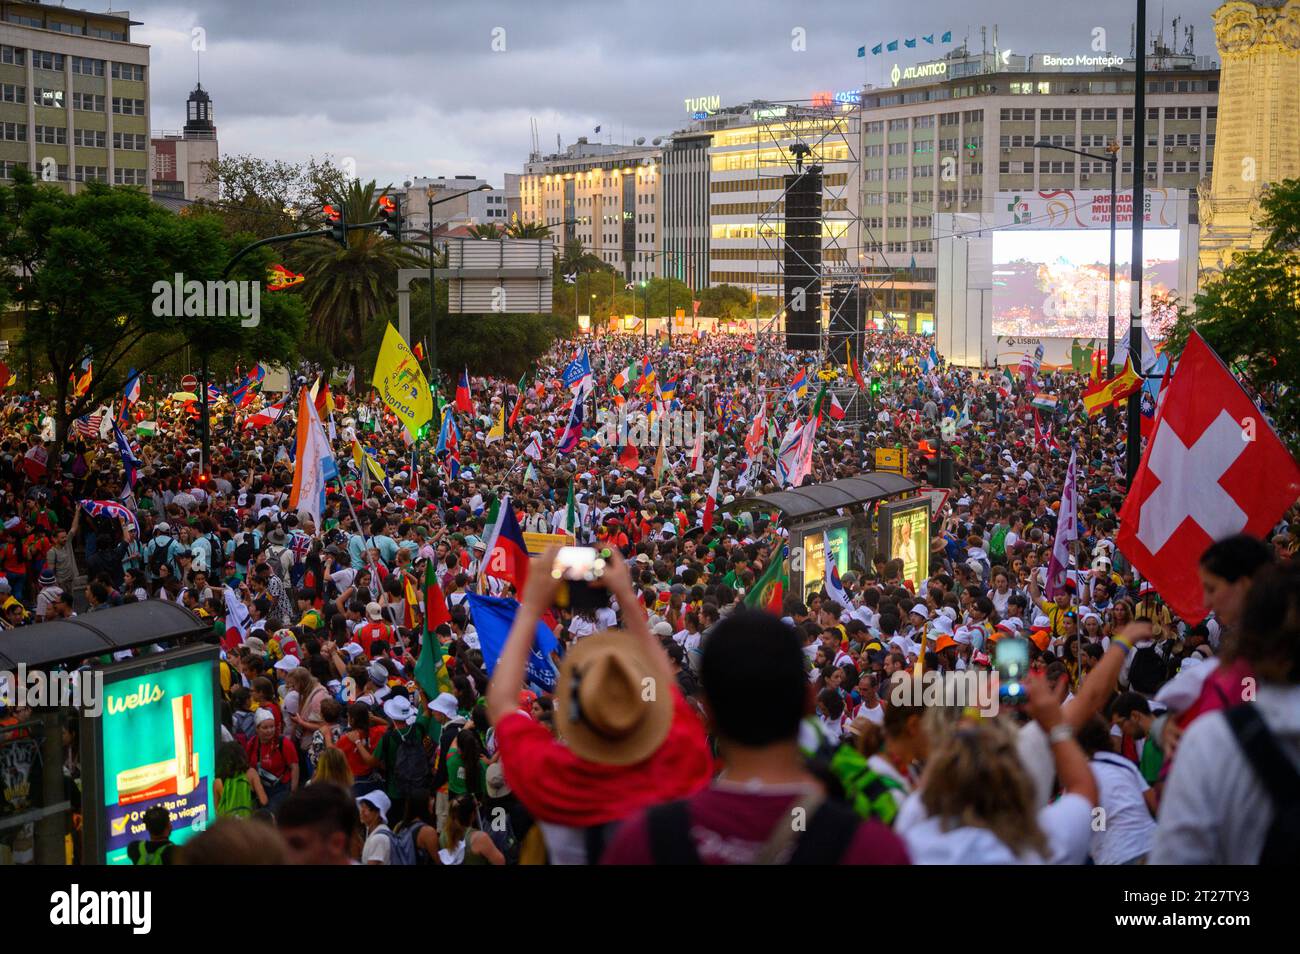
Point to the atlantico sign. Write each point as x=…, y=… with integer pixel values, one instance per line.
x=922, y=71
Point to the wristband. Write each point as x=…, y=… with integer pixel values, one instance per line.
x=1060, y=733
x=1122, y=643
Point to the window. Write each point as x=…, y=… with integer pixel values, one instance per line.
x=25, y=21
x=897, y=124
x=974, y=168
x=874, y=152
x=950, y=119
x=88, y=102
x=47, y=61
x=898, y=221
x=920, y=221
x=876, y=126
x=7, y=167
x=66, y=28
x=972, y=195
x=947, y=196
x=1017, y=115
x=13, y=132
x=1058, y=140
x=1097, y=115
x=87, y=67
x=133, y=141
x=12, y=94
x=897, y=148
x=874, y=175
x=973, y=115
x=51, y=135
x=90, y=174
x=898, y=198
x=13, y=56
x=1056, y=115
x=51, y=98
x=88, y=137
x=128, y=176
x=925, y=145
x=128, y=107
x=923, y=122
x=1055, y=167
x=128, y=71
x=947, y=145
x=898, y=172
x=1211, y=112
x=974, y=142
x=872, y=222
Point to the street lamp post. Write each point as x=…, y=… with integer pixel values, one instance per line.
x=429, y=193
x=1135, y=264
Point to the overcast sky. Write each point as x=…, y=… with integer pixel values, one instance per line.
x=407, y=88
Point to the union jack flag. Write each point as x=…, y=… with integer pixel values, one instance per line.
x=300, y=543
x=112, y=509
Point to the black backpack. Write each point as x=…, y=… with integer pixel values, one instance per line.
x=830, y=832
x=409, y=764
x=158, y=554
x=1280, y=779
x=1148, y=671
x=244, y=549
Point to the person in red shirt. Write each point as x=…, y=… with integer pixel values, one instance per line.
x=274, y=758
x=746, y=816
x=373, y=628
x=358, y=747
x=622, y=748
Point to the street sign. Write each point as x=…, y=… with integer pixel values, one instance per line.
x=938, y=497
x=892, y=458
x=189, y=383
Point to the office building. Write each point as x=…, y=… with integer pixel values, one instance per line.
x=74, y=96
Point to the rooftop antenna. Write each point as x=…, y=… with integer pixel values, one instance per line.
x=1191, y=40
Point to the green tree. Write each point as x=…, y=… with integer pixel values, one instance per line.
x=263, y=197
x=347, y=289
x=485, y=230
x=1250, y=313
x=527, y=230
x=93, y=273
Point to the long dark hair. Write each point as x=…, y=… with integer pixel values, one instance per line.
x=471, y=752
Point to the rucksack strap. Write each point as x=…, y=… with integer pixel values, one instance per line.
x=830, y=832
x=1276, y=772
x=669, y=829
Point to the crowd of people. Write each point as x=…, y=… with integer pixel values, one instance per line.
x=686, y=725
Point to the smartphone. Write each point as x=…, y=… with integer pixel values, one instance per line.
x=1011, y=660
x=577, y=568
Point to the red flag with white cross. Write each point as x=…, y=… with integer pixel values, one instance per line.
x=1214, y=467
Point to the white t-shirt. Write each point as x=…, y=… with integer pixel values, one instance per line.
x=875, y=715
x=1129, y=830
x=1067, y=823
x=378, y=847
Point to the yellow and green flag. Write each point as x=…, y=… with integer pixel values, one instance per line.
x=401, y=384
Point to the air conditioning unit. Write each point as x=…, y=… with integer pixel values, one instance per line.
x=1006, y=150
x=1196, y=148
x=1151, y=177
x=964, y=203
x=1169, y=148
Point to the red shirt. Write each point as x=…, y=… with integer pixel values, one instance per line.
x=369, y=632
x=349, y=749
x=276, y=757
x=730, y=827
x=558, y=786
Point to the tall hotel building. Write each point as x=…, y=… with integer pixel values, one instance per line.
x=74, y=96
x=608, y=197
x=952, y=133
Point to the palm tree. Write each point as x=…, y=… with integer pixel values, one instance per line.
x=346, y=288
x=485, y=230
x=528, y=230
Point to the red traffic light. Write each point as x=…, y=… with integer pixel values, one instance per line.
x=387, y=205
x=331, y=213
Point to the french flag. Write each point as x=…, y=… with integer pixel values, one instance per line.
x=508, y=559
x=464, y=402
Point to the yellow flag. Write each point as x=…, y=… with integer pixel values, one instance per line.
x=401, y=384
x=365, y=462
x=499, y=428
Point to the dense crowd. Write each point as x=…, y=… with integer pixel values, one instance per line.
x=686, y=725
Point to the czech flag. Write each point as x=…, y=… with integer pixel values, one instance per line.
x=464, y=402
x=508, y=559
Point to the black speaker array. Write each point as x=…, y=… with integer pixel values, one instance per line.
x=848, y=310
x=803, y=259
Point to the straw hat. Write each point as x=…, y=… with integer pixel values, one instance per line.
x=600, y=711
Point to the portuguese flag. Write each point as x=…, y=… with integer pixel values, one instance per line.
x=769, y=589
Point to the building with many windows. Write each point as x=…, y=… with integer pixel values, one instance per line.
x=74, y=96
x=963, y=128
x=608, y=197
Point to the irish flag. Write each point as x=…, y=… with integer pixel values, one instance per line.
x=625, y=375
x=769, y=590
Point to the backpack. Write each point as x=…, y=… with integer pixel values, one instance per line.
x=244, y=550
x=409, y=765
x=275, y=557
x=998, y=543
x=1146, y=673
x=265, y=775
x=404, y=850
x=1278, y=776
x=236, y=798
x=158, y=555
x=830, y=831
x=504, y=838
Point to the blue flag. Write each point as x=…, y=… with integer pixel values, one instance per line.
x=862, y=51
x=929, y=39
x=947, y=37
x=910, y=44
x=892, y=46
x=875, y=50
x=577, y=373
x=493, y=616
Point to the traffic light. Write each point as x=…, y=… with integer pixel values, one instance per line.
x=939, y=473
x=875, y=387
x=338, y=226
x=390, y=213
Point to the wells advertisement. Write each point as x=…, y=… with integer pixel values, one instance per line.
x=157, y=747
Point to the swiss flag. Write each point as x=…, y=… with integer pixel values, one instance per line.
x=1213, y=468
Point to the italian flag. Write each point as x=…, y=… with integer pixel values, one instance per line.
x=769, y=590
x=711, y=501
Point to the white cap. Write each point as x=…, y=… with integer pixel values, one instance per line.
x=288, y=664
x=921, y=610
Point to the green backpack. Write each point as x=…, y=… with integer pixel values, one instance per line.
x=236, y=798
x=998, y=543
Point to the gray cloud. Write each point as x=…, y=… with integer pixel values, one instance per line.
x=411, y=88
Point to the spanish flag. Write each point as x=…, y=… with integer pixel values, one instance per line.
x=1100, y=395
x=854, y=368
x=82, y=384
